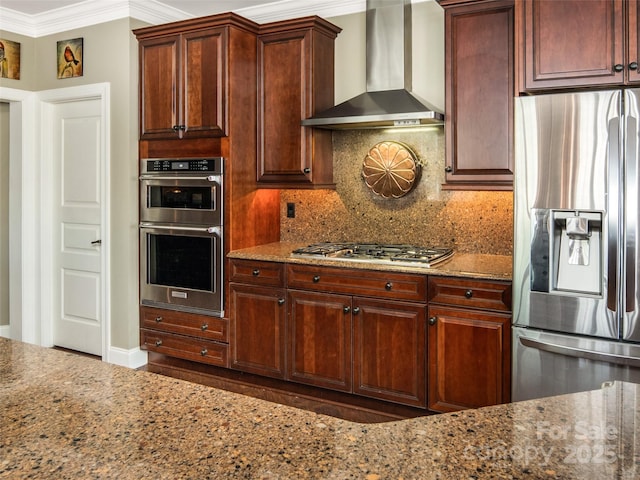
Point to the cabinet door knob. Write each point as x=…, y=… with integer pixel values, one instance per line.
x=158, y=343
x=468, y=293
x=633, y=66
x=176, y=128
x=203, y=352
x=281, y=301
x=618, y=67
x=356, y=310
x=158, y=319
x=204, y=326
x=306, y=170
x=316, y=278
x=433, y=320
x=388, y=286
x=448, y=169
x=256, y=272
x=346, y=309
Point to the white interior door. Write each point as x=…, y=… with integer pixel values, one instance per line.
x=76, y=243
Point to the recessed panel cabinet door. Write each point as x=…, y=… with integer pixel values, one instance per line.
x=573, y=42
x=320, y=339
x=466, y=358
x=160, y=83
x=479, y=95
x=389, y=351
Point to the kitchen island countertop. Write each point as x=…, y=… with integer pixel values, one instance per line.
x=65, y=416
x=489, y=267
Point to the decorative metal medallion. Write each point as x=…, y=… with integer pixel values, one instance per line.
x=390, y=169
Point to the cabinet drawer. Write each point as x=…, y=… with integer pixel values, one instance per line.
x=189, y=348
x=484, y=294
x=257, y=273
x=371, y=283
x=203, y=326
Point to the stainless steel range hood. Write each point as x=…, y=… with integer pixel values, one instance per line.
x=388, y=100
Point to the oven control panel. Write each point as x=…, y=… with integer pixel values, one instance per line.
x=182, y=165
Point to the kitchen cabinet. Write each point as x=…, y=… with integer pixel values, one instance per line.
x=479, y=90
x=258, y=315
x=295, y=80
x=358, y=331
x=469, y=343
x=573, y=43
x=183, y=84
x=190, y=336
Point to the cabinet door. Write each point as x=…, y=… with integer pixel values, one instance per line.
x=469, y=358
x=389, y=351
x=320, y=339
x=479, y=95
x=570, y=43
x=160, y=83
x=204, y=63
x=258, y=330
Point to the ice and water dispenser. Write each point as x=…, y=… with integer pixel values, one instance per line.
x=567, y=252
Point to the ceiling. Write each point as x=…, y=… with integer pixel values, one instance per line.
x=36, y=18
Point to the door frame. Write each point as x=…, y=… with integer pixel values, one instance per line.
x=48, y=100
x=30, y=223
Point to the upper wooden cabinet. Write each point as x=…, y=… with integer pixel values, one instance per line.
x=184, y=77
x=479, y=90
x=295, y=80
x=576, y=43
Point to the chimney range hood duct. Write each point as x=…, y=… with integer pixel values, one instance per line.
x=388, y=101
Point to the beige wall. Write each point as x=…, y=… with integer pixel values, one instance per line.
x=110, y=55
x=4, y=213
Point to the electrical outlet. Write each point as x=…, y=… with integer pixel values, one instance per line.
x=291, y=210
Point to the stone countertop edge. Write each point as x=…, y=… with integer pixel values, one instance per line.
x=467, y=265
x=65, y=416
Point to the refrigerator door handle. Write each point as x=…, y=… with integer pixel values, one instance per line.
x=580, y=352
x=631, y=214
x=614, y=202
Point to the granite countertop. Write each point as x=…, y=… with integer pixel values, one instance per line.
x=66, y=416
x=490, y=267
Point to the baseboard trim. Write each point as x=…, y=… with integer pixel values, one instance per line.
x=133, y=358
x=5, y=331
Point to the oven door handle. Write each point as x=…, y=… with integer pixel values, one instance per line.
x=215, y=230
x=208, y=178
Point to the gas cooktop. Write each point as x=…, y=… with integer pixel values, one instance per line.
x=377, y=253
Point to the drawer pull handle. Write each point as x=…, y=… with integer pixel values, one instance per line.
x=203, y=352
x=433, y=320
x=316, y=278
x=356, y=310
x=256, y=272
x=388, y=286
x=281, y=301
x=158, y=343
x=158, y=319
x=346, y=309
x=468, y=293
x=204, y=326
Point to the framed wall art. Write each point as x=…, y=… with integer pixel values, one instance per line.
x=70, y=59
x=9, y=59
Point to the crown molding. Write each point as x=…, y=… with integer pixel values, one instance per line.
x=91, y=12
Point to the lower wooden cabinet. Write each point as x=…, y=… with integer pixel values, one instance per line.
x=389, y=351
x=320, y=339
x=469, y=347
x=258, y=330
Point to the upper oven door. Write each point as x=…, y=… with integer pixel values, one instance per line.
x=186, y=199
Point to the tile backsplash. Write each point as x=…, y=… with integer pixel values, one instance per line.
x=470, y=222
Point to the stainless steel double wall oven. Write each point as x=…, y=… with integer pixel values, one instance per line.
x=181, y=234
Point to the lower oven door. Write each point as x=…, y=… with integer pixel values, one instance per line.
x=181, y=268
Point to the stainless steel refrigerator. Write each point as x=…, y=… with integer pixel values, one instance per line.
x=576, y=247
